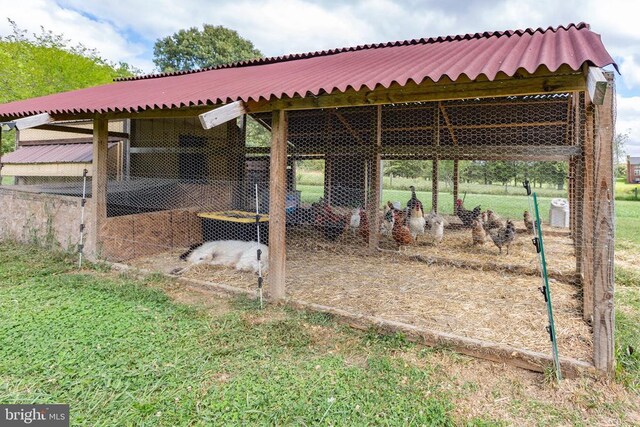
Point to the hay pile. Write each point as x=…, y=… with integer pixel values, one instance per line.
x=486, y=302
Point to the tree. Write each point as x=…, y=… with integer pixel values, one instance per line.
x=405, y=168
x=619, y=153
x=619, y=149
x=193, y=48
x=47, y=63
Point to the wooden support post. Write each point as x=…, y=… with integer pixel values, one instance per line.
x=434, y=184
x=603, y=228
x=374, y=185
x=578, y=140
x=456, y=181
x=572, y=199
x=436, y=164
x=588, y=206
x=99, y=181
x=277, y=196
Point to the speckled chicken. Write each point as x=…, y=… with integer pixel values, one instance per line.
x=466, y=216
x=504, y=236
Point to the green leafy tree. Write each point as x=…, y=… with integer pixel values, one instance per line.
x=405, y=168
x=46, y=63
x=620, y=152
x=194, y=48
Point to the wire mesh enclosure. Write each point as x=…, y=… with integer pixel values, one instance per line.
x=412, y=212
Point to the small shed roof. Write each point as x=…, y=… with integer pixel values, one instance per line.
x=487, y=54
x=51, y=153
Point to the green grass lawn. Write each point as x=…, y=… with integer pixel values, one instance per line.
x=7, y=180
x=626, y=191
x=121, y=352
x=508, y=206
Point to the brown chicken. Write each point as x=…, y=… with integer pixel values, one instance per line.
x=478, y=233
x=401, y=233
x=493, y=221
x=528, y=222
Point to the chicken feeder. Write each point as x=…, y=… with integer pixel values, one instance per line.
x=559, y=213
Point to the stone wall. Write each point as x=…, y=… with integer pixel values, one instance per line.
x=43, y=219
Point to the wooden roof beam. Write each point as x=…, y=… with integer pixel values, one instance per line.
x=83, y=131
x=562, y=81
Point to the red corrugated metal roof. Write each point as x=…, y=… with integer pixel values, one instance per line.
x=51, y=153
x=481, y=54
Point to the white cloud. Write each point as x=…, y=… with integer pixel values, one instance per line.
x=125, y=31
x=628, y=120
x=31, y=15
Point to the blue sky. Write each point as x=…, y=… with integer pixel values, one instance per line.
x=126, y=31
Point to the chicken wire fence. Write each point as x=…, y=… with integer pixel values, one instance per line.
x=414, y=212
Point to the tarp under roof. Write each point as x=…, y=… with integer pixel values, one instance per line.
x=485, y=54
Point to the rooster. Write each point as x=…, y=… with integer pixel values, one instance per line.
x=528, y=222
x=504, y=236
x=332, y=225
x=413, y=202
x=478, y=234
x=416, y=221
x=466, y=216
x=401, y=233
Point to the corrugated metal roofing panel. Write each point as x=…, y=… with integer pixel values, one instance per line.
x=51, y=153
x=482, y=54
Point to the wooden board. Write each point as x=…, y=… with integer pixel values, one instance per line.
x=33, y=121
x=223, y=114
x=596, y=85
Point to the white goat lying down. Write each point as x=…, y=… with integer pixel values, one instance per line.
x=231, y=253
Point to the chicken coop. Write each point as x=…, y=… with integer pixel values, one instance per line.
x=385, y=180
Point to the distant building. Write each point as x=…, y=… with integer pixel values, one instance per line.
x=633, y=170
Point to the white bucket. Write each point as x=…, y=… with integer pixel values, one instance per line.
x=559, y=213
